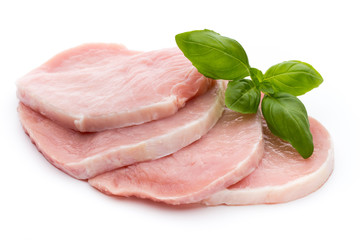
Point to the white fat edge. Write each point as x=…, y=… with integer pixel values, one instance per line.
x=38, y=103
x=167, y=101
x=264, y=194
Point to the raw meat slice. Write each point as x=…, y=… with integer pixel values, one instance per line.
x=84, y=155
x=95, y=87
x=226, y=154
x=283, y=175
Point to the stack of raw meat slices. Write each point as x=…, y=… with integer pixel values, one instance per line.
x=148, y=124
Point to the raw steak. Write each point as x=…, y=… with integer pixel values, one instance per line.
x=283, y=175
x=84, y=155
x=226, y=154
x=102, y=86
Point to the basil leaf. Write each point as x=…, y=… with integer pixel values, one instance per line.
x=287, y=118
x=293, y=77
x=213, y=55
x=242, y=96
x=256, y=75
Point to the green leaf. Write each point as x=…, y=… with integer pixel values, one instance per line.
x=256, y=75
x=213, y=55
x=287, y=118
x=242, y=96
x=293, y=77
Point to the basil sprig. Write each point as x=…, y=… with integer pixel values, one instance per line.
x=220, y=57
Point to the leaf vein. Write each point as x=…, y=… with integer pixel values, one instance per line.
x=218, y=50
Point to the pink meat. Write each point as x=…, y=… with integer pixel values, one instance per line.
x=84, y=155
x=283, y=175
x=95, y=87
x=226, y=154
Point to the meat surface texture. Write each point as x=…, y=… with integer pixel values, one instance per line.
x=95, y=87
x=283, y=175
x=227, y=153
x=85, y=155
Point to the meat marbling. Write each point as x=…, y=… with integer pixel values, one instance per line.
x=226, y=154
x=95, y=87
x=84, y=155
x=282, y=175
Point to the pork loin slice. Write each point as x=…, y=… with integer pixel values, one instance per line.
x=95, y=87
x=85, y=155
x=226, y=154
x=283, y=175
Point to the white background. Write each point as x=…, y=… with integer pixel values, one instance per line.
x=37, y=201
